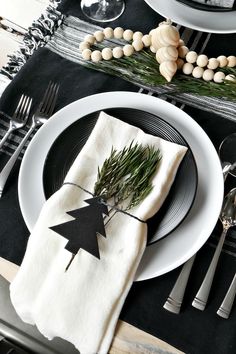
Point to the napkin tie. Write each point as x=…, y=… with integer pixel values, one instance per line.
x=112, y=206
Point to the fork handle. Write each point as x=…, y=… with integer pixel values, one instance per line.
x=5, y=137
x=175, y=299
x=11, y=162
x=201, y=298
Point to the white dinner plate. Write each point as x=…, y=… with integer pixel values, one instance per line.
x=192, y=233
x=213, y=22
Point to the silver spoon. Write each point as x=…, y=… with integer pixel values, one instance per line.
x=228, y=219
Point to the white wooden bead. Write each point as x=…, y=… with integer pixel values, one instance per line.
x=107, y=53
x=208, y=75
x=152, y=49
x=118, y=32
x=191, y=57
x=90, y=39
x=152, y=31
x=230, y=77
x=99, y=36
x=182, y=51
x=181, y=43
x=197, y=72
x=219, y=77
x=137, y=44
x=146, y=40
x=117, y=52
x=128, y=50
x=223, y=61
x=86, y=54
x=108, y=32
x=187, y=68
x=231, y=61
x=213, y=63
x=180, y=63
x=202, y=60
x=137, y=35
x=84, y=45
x=128, y=35
x=96, y=56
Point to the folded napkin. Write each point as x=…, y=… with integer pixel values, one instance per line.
x=82, y=305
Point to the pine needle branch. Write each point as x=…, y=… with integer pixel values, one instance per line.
x=126, y=175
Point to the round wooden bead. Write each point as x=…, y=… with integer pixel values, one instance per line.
x=230, y=77
x=99, y=36
x=128, y=35
x=86, y=54
x=117, y=52
x=96, y=56
x=108, y=32
x=152, y=31
x=222, y=61
x=191, y=57
x=146, y=40
x=181, y=43
x=180, y=63
x=137, y=35
x=213, y=63
x=118, y=32
x=208, y=75
x=187, y=68
x=90, y=39
x=128, y=50
x=84, y=45
x=153, y=49
x=107, y=53
x=231, y=61
x=197, y=72
x=182, y=51
x=219, y=77
x=137, y=44
x=202, y=60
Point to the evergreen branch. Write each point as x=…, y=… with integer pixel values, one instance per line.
x=126, y=175
x=143, y=69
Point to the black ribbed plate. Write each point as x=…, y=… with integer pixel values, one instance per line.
x=181, y=196
x=203, y=7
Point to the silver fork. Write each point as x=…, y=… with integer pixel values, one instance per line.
x=19, y=118
x=43, y=112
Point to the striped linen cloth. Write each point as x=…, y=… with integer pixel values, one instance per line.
x=67, y=37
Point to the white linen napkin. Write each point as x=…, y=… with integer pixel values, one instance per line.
x=83, y=304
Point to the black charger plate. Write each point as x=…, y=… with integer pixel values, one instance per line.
x=181, y=196
x=199, y=6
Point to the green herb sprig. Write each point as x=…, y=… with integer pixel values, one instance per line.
x=143, y=69
x=126, y=174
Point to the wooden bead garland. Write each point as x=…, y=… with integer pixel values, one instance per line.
x=171, y=52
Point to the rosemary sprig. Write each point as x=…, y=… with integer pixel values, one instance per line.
x=143, y=69
x=126, y=175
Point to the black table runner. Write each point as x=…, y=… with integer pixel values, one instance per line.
x=192, y=331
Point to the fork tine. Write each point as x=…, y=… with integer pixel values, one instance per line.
x=18, y=106
x=46, y=97
x=51, y=107
x=24, y=108
x=28, y=109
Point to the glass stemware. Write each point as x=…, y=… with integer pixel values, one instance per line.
x=102, y=10
x=227, y=153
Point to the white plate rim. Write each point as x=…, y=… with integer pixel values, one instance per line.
x=194, y=18
x=172, y=251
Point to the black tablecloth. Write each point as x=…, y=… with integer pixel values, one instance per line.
x=192, y=331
